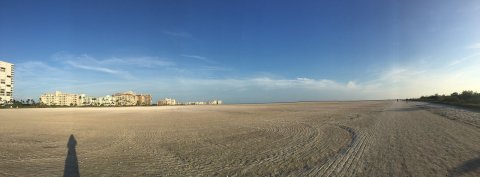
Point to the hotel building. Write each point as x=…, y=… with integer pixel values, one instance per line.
x=6, y=81
x=131, y=99
x=167, y=101
x=61, y=99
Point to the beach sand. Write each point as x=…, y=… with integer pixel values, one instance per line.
x=360, y=138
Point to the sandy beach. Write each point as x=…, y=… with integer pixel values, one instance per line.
x=361, y=138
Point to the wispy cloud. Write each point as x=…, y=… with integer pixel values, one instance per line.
x=415, y=80
x=147, y=62
x=162, y=79
x=92, y=68
x=194, y=56
x=475, y=46
x=178, y=34
x=119, y=66
x=201, y=58
x=461, y=60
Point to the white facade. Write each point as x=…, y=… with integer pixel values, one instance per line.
x=106, y=101
x=215, y=102
x=120, y=99
x=167, y=101
x=195, y=103
x=97, y=101
x=7, y=73
x=61, y=99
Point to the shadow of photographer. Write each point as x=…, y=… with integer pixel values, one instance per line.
x=71, y=162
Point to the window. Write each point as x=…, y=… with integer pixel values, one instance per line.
x=2, y=69
x=2, y=81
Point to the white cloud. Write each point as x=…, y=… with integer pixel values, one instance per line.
x=401, y=81
x=92, y=68
x=351, y=85
x=201, y=58
x=475, y=46
x=123, y=67
x=194, y=56
x=147, y=62
x=462, y=60
x=300, y=83
x=418, y=80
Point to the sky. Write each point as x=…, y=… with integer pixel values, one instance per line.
x=243, y=51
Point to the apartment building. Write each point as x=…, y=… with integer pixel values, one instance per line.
x=144, y=100
x=121, y=99
x=125, y=99
x=166, y=101
x=132, y=99
x=215, y=102
x=106, y=101
x=195, y=103
x=61, y=99
x=97, y=101
x=7, y=73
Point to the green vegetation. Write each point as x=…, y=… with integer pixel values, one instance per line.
x=29, y=103
x=467, y=98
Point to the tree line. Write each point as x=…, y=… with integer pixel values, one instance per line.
x=465, y=98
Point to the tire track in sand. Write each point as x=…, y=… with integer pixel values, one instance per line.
x=346, y=161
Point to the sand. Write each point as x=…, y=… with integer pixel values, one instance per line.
x=364, y=138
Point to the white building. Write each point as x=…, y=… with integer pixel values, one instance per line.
x=106, y=101
x=167, y=101
x=61, y=99
x=215, y=102
x=97, y=101
x=6, y=81
x=195, y=103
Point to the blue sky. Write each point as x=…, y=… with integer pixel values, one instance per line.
x=243, y=51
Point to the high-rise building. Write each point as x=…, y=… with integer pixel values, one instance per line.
x=125, y=99
x=6, y=81
x=131, y=99
x=61, y=99
x=144, y=100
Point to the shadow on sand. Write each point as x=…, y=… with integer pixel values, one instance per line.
x=71, y=163
x=472, y=165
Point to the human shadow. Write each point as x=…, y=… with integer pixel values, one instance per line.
x=468, y=166
x=71, y=163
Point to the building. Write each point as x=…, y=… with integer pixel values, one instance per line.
x=97, y=101
x=61, y=99
x=125, y=99
x=144, y=100
x=106, y=101
x=166, y=101
x=87, y=100
x=131, y=99
x=118, y=99
x=195, y=103
x=215, y=102
x=7, y=73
